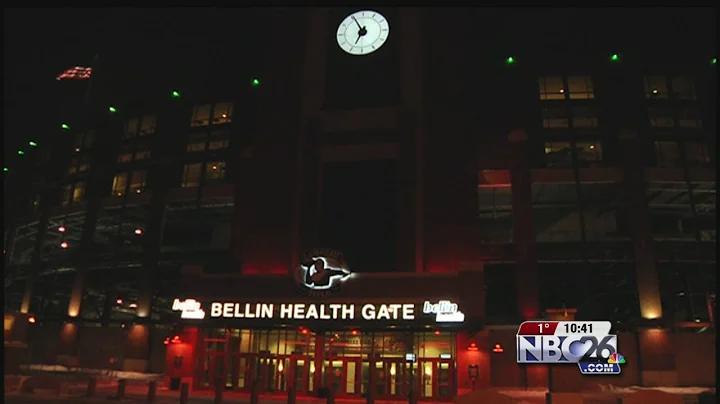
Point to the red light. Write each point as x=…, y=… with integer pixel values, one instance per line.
x=64, y=244
x=138, y=231
x=62, y=229
x=119, y=301
x=304, y=331
x=498, y=348
x=437, y=332
x=31, y=320
x=176, y=339
x=472, y=347
x=167, y=341
x=354, y=332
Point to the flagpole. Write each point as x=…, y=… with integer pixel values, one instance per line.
x=88, y=92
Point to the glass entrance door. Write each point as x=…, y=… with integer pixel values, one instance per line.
x=345, y=374
x=213, y=366
x=391, y=377
x=300, y=373
x=435, y=377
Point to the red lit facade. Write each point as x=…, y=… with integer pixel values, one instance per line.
x=509, y=196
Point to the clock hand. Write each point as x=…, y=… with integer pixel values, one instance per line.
x=356, y=22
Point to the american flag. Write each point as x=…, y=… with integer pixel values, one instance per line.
x=76, y=73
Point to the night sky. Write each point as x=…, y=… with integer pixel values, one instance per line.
x=150, y=51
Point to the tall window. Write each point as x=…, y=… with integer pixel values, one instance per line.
x=583, y=117
x=661, y=117
x=555, y=118
x=688, y=118
x=220, y=112
x=78, y=165
x=566, y=88
x=558, y=154
x=119, y=184
x=696, y=154
x=78, y=191
x=191, y=175
x=140, y=126
x=667, y=154
x=137, y=181
x=130, y=156
x=215, y=170
x=84, y=140
x=663, y=87
x=589, y=152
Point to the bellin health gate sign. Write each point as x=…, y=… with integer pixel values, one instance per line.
x=444, y=311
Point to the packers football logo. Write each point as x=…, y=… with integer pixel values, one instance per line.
x=322, y=271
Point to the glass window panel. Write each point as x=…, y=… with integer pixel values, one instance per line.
x=656, y=87
x=132, y=127
x=683, y=88
x=67, y=193
x=223, y=113
x=83, y=167
x=147, y=125
x=660, y=117
x=551, y=88
x=119, y=184
x=78, y=191
x=142, y=155
x=688, y=118
x=196, y=146
x=125, y=158
x=558, y=154
x=554, y=118
x=580, y=88
x=200, y=115
x=495, y=217
x=137, y=183
x=218, y=144
x=696, y=154
x=215, y=170
x=667, y=154
x=191, y=175
x=583, y=117
x=589, y=151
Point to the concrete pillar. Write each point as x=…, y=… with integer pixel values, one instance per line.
x=634, y=159
x=319, y=355
x=526, y=275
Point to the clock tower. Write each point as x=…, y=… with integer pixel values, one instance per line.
x=342, y=128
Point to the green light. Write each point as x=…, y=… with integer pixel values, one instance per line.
x=175, y=94
x=65, y=126
x=20, y=152
x=714, y=61
x=510, y=60
x=615, y=57
x=5, y=169
x=112, y=109
x=33, y=144
x=255, y=82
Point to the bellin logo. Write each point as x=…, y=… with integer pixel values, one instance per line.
x=322, y=271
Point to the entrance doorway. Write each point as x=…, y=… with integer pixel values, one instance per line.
x=435, y=378
x=350, y=376
x=392, y=377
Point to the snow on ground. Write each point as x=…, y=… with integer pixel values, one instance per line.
x=115, y=374
x=609, y=388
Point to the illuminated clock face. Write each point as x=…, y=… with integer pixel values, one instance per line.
x=363, y=32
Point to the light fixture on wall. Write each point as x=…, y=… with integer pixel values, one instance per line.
x=473, y=347
x=498, y=349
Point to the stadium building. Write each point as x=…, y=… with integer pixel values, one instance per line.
x=382, y=217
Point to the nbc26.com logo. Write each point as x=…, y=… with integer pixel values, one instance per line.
x=611, y=366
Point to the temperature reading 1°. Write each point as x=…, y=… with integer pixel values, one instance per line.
x=543, y=326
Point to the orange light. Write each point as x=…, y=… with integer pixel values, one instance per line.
x=139, y=231
x=176, y=339
x=437, y=332
x=167, y=341
x=118, y=301
x=498, y=348
x=304, y=331
x=472, y=347
x=132, y=305
x=62, y=229
x=64, y=244
x=31, y=320
x=354, y=332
